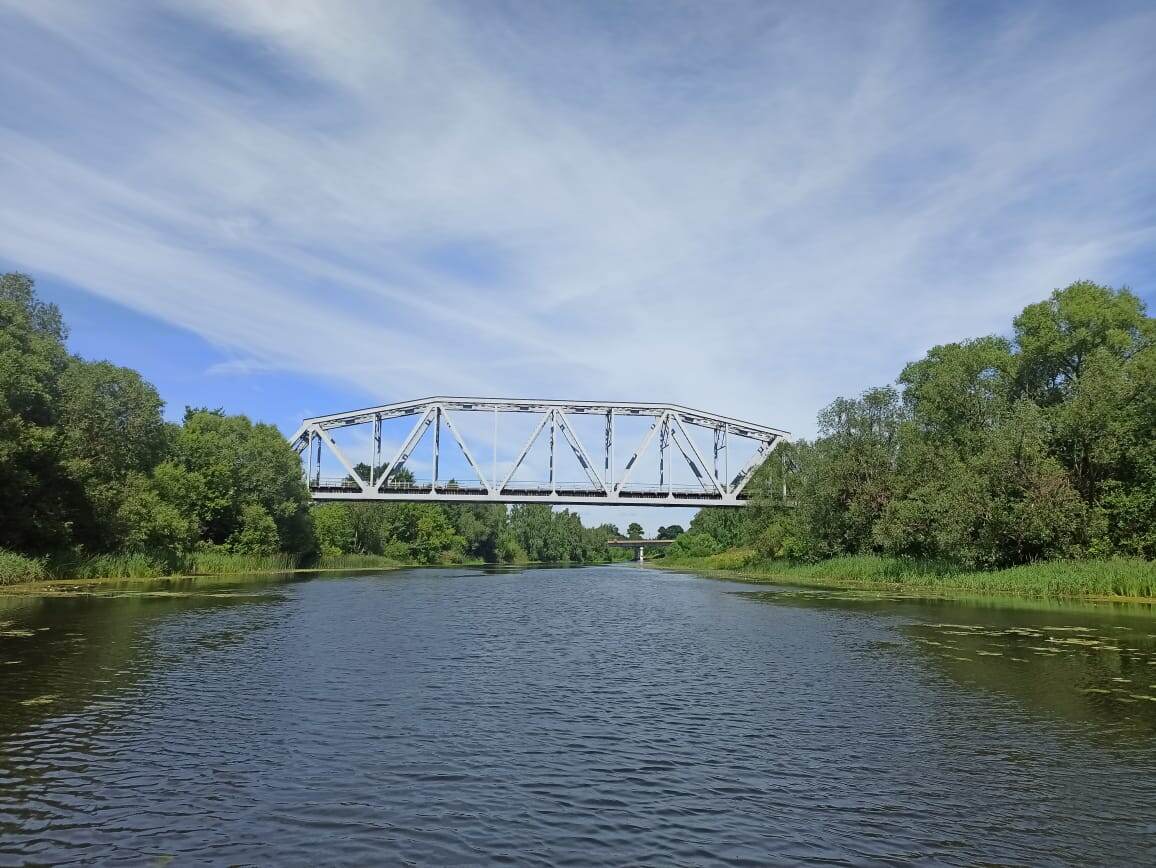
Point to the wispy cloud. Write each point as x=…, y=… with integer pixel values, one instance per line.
x=747, y=207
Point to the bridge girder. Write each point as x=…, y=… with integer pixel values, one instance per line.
x=669, y=424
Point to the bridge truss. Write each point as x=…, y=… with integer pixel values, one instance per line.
x=605, y=483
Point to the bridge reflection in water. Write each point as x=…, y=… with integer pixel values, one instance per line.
x=670, y=435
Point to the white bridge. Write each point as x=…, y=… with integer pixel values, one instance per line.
x=673, y=432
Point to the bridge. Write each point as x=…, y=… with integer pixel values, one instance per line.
x=678, y=435
x=639, y=544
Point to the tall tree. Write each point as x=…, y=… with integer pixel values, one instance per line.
x=33, y=515
x=111, y=429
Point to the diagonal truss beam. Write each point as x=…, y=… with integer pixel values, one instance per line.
x=744, y=476
x=327, y=438
x=629, y=468
x=579, y=451
x=465, y=449
x=411, y=441
x=705, y=474
x=525, y=450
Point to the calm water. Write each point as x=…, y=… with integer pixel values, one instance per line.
x=571, y=716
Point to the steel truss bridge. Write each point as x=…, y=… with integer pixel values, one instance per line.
x=604, y=484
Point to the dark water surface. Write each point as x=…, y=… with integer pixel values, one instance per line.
x=571, y=716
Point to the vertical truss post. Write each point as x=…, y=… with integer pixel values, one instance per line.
x=608, y=476
x=309, y=461
x=718, y=448
x=726, y=457
x=317, y=462
x=664, y=478
x=437, y=443
x=553, y=430
x=494, y=474
x=376, y=450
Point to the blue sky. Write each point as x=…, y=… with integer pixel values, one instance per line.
x=287, y=208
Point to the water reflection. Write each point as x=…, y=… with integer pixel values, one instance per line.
x=567, y=716
x=61, y=652
x=1090, y=663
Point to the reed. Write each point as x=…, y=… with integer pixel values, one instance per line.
x=355, y=562
x=111, y=566
x=214, y=562
x=1118, y=577
x=15, y=568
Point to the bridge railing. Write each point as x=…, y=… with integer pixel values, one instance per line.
x=336, y=485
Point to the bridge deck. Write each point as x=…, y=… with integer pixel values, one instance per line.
x=578, y=495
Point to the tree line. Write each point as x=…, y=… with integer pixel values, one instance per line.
x=985, y=453
x=89, y=466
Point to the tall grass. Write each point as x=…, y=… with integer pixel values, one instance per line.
x=15, y=568
x=214, y=562
x=114, y=566
x=1105, y=578
x=354, y=562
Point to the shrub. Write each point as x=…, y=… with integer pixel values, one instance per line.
x=16, y=568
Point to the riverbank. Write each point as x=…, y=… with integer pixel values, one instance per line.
x=19, y=574
x=1117, y=579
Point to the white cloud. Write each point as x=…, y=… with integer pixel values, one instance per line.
x=748, y=208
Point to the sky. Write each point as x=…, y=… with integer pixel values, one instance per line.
x=294, y=208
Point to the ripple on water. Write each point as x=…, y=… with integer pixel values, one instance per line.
x=568, y=717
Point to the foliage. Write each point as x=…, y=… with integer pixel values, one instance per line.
x=696, y=544
x=557, y=537
x=240, y=470
x=33, y=516
x=217, y=561
x=634, y=530
x=15, y=568
x=110, y=433
x=988, y=454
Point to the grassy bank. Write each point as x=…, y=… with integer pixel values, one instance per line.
x=18, y=569
x=1108, y=578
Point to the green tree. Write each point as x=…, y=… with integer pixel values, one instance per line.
x=434, y=540
x=33, y=516
x=111, y=429
x=957, y=392
x=634, y=531
x=256, y=533
x=333, y=529
x=236, y=464
x=150, y=524
x=1057, y=337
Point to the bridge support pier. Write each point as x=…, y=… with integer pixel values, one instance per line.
x=641, y=555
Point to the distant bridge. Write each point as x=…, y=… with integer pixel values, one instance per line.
x=604, y=483
x=639, y=544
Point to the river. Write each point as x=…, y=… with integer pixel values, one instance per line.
x=594, y=715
